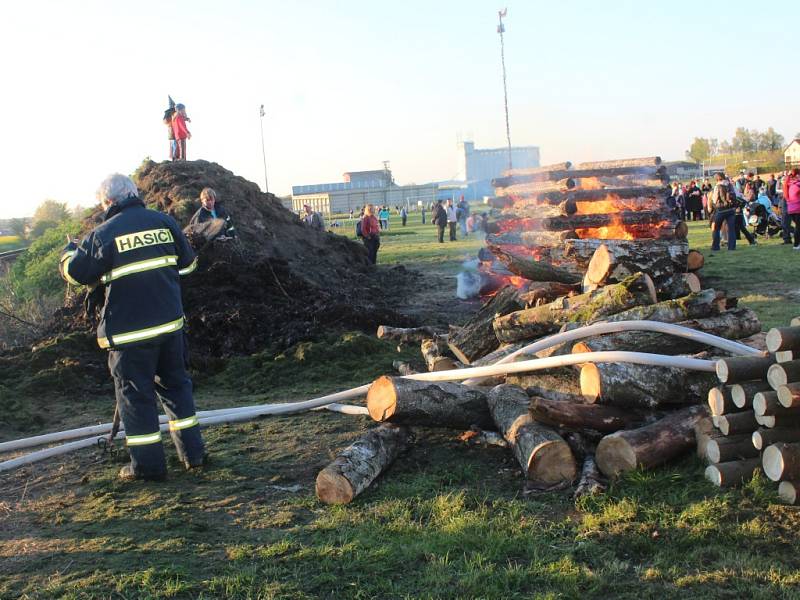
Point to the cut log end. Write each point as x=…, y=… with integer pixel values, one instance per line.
x=722, y=371
x=618, y=456
x=552, y=462
x=382, y=399
x=695, y=260
x=713, y=475
x=783, y=338
x=599, y=266
x=774, y=340
x=739, y=396
x=789, y=395
x=693, y=281
x=651, y=288
x=783, y=373
x=716, y=401
x=334, y=488
x=787, y=491
x=591, y=382
x=772, y=462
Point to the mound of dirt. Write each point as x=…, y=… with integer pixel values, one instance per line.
x=264, y=227
x=278, y=283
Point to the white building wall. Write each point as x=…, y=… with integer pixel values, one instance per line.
x=792, y=154
x=340, y=202
x=488, y=163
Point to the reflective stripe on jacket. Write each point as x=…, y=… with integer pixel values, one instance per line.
x=139, y=255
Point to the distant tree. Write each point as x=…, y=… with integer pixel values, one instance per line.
x=713, y=146
x=48, y=215
x=700, y=150
x=758, y=140
x=743, y=141
x=771, y=140
x=725, y=147
x=18, y=227
x=79, y=212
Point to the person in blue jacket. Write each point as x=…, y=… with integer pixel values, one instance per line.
x=139, y=255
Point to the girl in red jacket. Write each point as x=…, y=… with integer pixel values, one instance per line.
x=179, y=120
x=371, y=233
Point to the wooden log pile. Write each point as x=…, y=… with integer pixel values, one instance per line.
x=578, y=425
x=592, y=224
x=574, y=426
x=755, y=422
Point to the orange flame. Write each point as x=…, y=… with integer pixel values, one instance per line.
x=591, y=183
x=613, y=203
x=494, y=283
x=516, y=225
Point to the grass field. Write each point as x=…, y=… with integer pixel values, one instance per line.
x=448, y=520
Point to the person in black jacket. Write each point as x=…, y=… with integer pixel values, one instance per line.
x=139, y=256
x=694, y=202
x=211, y=209
x=440, y=219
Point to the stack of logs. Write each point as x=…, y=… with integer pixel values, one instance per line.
x=563, y=425
x=585, y=227
x=755, y=417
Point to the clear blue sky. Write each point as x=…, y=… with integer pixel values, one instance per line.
x=349, y=84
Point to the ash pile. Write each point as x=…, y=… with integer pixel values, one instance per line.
x=277, y=283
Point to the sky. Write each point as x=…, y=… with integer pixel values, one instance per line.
x=349, y=84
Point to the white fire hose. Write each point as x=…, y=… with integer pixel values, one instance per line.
x=470, y=375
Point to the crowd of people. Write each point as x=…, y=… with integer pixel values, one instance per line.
x=447, y=216
x=734, y=206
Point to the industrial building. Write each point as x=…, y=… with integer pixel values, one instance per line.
x=478, y=166
x=359, y=188
x=476, y=169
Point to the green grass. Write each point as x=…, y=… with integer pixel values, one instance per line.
x=448, y=520
x=765, y=277
x=416, y=244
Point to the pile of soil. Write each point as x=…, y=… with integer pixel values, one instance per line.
x=278, y=283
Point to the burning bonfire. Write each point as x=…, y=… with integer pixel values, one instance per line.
x=586, y=226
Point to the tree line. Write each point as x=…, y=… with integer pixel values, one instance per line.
x=744, y=141
x=48, y=214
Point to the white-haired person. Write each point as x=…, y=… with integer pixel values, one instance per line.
x=139, y=255
x=211, y=209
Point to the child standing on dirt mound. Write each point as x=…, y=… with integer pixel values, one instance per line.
x=179, y=120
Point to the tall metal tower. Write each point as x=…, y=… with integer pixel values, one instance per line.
x=501, y=30
x=263, y=151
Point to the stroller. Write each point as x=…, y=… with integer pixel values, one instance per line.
x=763, y=219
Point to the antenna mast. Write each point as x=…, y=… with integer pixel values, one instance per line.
x=501, y=30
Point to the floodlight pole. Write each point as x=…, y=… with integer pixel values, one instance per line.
x=263, y=151
x=501, y=30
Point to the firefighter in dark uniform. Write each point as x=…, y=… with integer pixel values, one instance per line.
x=139, y=256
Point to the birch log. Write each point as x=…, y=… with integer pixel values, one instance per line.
x=536, y=322
x=358, y=465
x=643, y=386
x=543, y=455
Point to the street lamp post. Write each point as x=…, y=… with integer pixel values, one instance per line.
x=263, y=151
